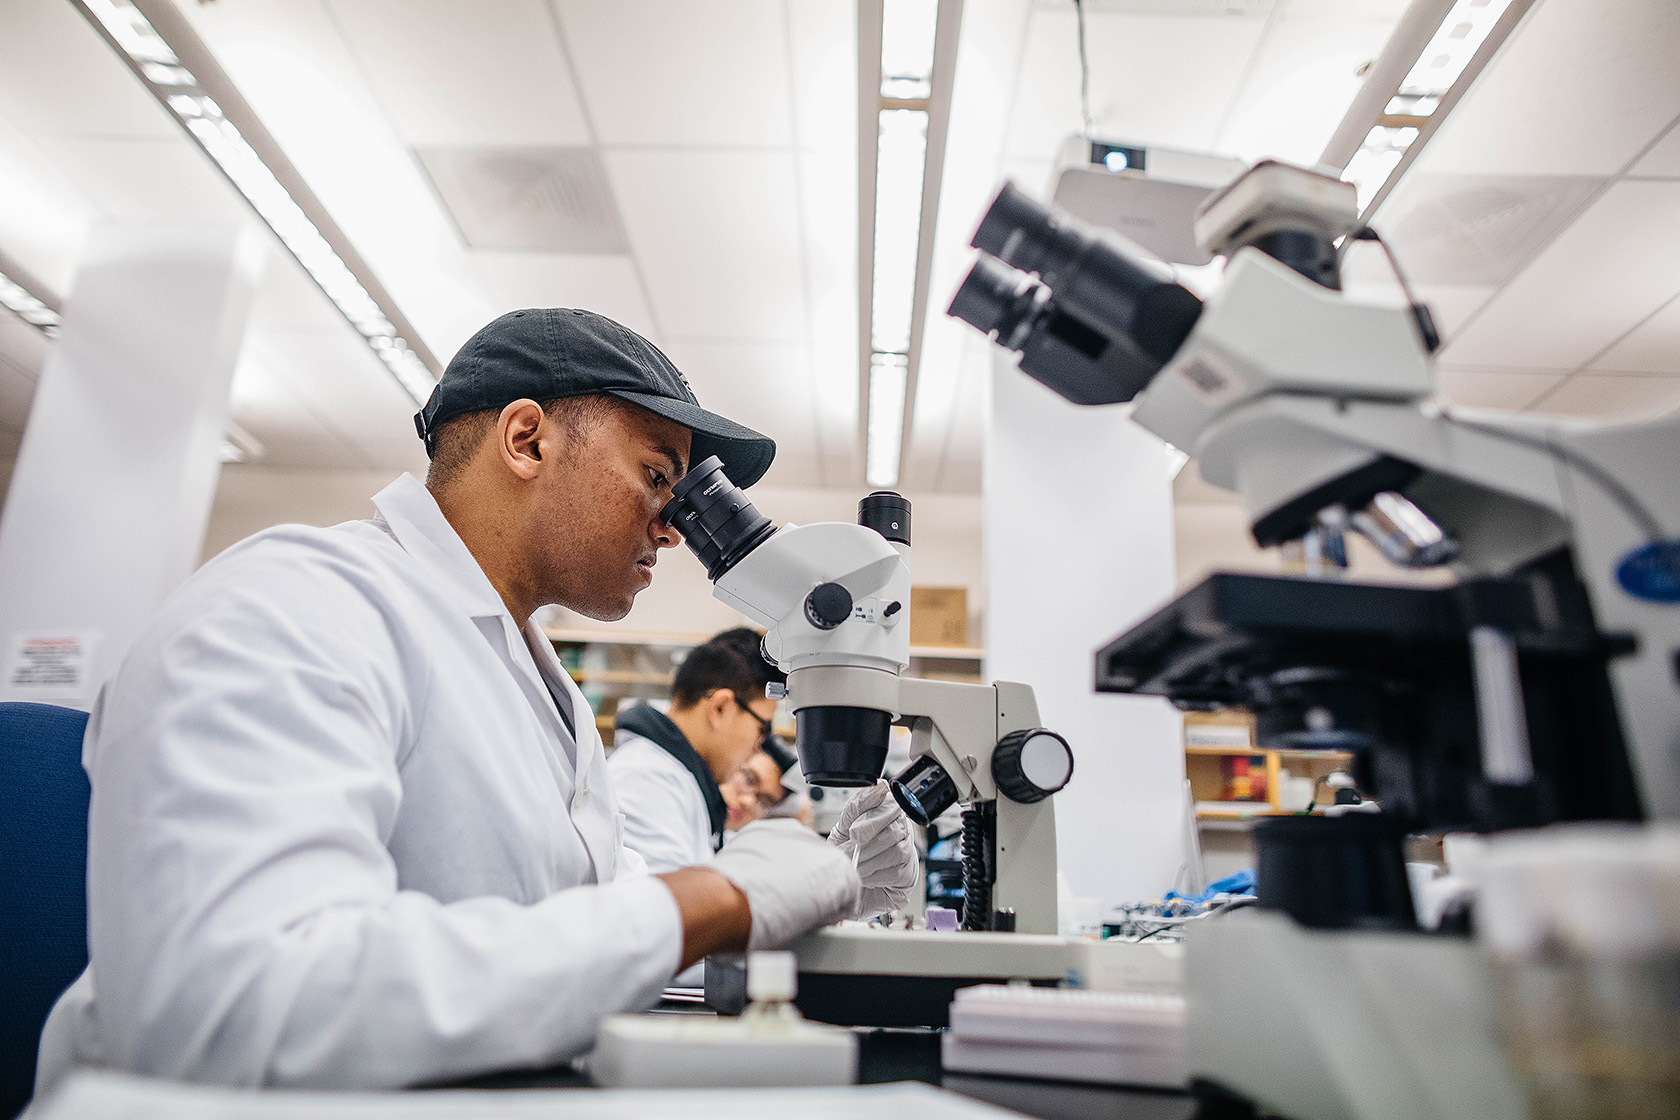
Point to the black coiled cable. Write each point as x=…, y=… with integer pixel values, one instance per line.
x=979, y=828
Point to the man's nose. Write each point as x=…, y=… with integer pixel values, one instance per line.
x=665, y=535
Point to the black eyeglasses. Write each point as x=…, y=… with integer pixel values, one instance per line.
x=765, y=727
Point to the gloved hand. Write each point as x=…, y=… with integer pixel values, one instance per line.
x=794, y=882
x=874, y=832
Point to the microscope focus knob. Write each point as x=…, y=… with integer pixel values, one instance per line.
x=828, y=605
x=1030, y=765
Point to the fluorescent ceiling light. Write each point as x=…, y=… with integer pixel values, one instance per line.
x=172, y=83
x=887, y=374
x=1414, y=103
x=899, y=164
x=907, y=36
x=26, y=306
x=908, y=33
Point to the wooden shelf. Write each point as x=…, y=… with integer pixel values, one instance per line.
x=950, y=653
x=619, y=676
x=1257, y=752
x=584, y=635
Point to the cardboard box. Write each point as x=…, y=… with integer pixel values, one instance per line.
x=939, y=616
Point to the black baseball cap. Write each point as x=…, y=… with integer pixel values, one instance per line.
x=546, y=353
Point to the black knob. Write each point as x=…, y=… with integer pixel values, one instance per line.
x=828, y=605
x=1029, y=766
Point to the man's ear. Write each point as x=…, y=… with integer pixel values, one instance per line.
x=718, y=705
x=519, y=433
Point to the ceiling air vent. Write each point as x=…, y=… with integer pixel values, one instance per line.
x=550, y=200
x=1462, y=229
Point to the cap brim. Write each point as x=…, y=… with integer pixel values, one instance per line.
x=745, y=454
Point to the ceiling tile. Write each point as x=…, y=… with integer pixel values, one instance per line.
x=1154, y=79
x=287, y=298
x=1651, y=347
x=1579, y=89
x=828, y=213
x=1496, y=388
x=1475, y=229
x=1452, y=305
x=717, y=237
x=266, y=406
x=44, y=213
x=486, y=73
x=766, y=386
x=607, y=285
x=58, y=77
x=1613, y=396
x=298, y=73
x=822, y=44
x=151, y=180
x=1303, y=76
x=681, y=72
x=1601, y=276
x=1663, y=160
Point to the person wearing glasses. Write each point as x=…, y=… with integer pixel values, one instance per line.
x=668, y=769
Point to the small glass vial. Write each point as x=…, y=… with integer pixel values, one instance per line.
x=772, y=982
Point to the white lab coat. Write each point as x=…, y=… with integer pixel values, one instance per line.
x=665, y=820
x=335, y=839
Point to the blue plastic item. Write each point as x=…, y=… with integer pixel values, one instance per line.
x=43, y=880
x=1241, y=882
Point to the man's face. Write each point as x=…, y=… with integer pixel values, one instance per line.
x=603, y=502
x=741, y=731
x=753, y=790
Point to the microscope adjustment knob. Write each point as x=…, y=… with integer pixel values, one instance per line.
x=828, y=605
x=1030, y=765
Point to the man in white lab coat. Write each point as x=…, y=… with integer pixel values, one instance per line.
x=351, y=823
x=668, y=768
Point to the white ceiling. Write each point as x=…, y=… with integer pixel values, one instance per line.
x=1251, y=79
x=1544, y=217
x=1541, y=221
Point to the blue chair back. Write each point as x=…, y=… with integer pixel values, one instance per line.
x=43, y=879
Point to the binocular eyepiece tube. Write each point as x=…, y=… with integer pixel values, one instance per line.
x=717, y=520
x=1100, y=319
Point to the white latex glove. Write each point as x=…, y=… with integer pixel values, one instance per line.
x=875, y=834
x=794, y=882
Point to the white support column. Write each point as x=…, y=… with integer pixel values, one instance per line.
x=119, y=461
x=1079, y=546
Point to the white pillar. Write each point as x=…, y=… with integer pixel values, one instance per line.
x=1079, y=546
x=119, y=461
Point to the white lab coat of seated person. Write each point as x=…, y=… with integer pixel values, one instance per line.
x=666, y=817
x=339, y=835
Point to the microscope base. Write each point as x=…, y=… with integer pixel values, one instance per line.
x=1321, y=1024
x=865, y=976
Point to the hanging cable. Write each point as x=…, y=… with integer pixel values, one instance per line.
x=1606, y=483
x=1084, y=71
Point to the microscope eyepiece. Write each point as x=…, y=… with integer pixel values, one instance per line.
x=716, y=519
x=1100, y=319
x=888, y=514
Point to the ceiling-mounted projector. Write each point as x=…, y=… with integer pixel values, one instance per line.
x=1147, y=194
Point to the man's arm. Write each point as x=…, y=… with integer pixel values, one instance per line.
x=245, y=919
x=715, y=916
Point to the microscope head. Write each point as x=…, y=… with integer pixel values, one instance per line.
x=833, y=597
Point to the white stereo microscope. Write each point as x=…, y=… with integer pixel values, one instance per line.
x=1543, y=685
x=835, y=599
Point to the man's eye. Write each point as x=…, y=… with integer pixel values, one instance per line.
x=659, y=480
